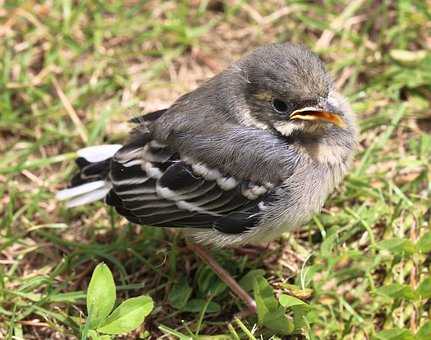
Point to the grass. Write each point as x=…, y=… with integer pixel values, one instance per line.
x=72, y=73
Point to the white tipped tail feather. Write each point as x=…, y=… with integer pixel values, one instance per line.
x=99, y=153
x=84, y=193
x=90, y=190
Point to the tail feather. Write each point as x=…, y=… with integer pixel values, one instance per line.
x=89, y=197
x=79, y=190
x=90, y=183
x=98, y=153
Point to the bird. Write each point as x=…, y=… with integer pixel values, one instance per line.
x=248, y=155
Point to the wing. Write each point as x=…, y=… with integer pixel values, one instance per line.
x=153, y=185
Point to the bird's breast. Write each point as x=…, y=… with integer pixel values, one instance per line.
x=300, y=196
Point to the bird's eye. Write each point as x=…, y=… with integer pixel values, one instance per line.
x=280, y=106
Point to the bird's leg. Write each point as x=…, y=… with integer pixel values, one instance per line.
x=224, y=276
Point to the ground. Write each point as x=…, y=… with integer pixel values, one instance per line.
x=72, y=73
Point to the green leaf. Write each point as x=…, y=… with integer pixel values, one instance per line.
x=424, y=333
x=180, y=294
x=209, y=283
x=424, y=244
x=196, y=306
x=269, y=312
x=395, y=334
x=298, y=307
x=277, y=321
x=397, y=246
x=265, y=300
x=288, y=301
x=302, y=317
x=170, y=331
x=397, y=290
x=247, y=281
x=127, y=316
x=424, y=288
x=100, y=295
x=92, y=334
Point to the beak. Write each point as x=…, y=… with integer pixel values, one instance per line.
x=319, y=113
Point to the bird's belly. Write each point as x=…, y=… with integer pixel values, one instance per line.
x=299, y=198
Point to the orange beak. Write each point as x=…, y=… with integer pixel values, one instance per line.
x=313, y=113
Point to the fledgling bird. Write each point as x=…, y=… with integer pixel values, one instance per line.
x=251, y=153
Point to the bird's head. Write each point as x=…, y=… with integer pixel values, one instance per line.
x=286, y=89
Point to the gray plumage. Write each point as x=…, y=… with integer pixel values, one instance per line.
x=258, y=147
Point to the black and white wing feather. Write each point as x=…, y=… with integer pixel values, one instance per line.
x=152, y=185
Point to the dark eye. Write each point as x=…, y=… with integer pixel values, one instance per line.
x=280, y=106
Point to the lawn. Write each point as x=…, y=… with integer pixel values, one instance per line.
x=73, y=72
